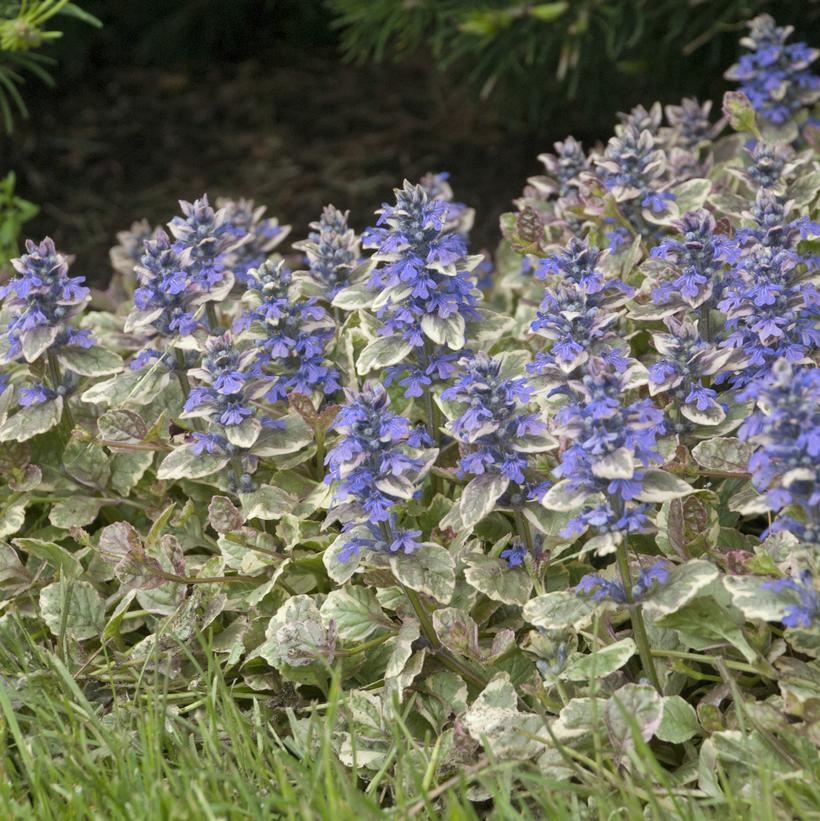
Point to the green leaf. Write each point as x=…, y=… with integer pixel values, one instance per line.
x=660, y=486
x=87, y=462
x=430, y=569
x=74, y=511
x=280, y=441
x=495, y=720
x=603, y=662
x=223, y=515
x=381, y=352
x=691, y=194
x=96, y=361
x=122, y=425
x=633, y=708
x=457, y=632
x=76, y=605
x=354, y=297
x=445, y=331
x=703, y=622
x=479, y=496
x=58, y=557
x=295, y=638
x=741, y=114
x=547, y=12
x=266, y=503
x=355, y=611
x=31, y=421
x=13, y=517
x=561, y=497
x=183, y=463
x=620, y=464
x=336, y=569
x=559, y=610
x=723, y=453
x=492, y=577
x=685, y=582
x=755, y=601
x=679, y=722
x=128, y=467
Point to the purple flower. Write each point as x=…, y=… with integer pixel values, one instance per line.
x=35, y=395
x=515, y=554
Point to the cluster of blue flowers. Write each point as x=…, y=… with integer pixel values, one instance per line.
x=608, y=446
x=375, y=466
x=256, y=235
x=40, y=301
x=774, y=75
x=689, y=124
x=599, y=588
x=291, y=335
x=333, y=252
x=223, y=397
x=580, y=310
x=426, y=283
x=696, y=259
x=206, y=236
x=786, y=428
x=803, y=613
x=771, y=306
x=495, y=427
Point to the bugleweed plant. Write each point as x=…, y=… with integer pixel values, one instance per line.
x=559, y=521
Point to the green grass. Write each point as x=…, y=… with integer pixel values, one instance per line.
x=72, y=748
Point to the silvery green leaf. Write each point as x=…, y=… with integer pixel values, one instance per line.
x=266, y=503
x=753, y=600
x=280, y=441
x=295, y=637
x=748, y=502
x=704, y=622
x=492, y=577
x=381, y=352
x=685, y=582
x=679, y=722
x=223, y=515
x=578, y=718
x=183, y=463
x=620, y=464
x=356, y=613
x=457, y=631
x=479, y=496
x=238, y=551
x=806, y=641
x=114, y=621
x=559, y=610
x=128, y=467
x=114, y=391
x=448, y=697
x=660, y=486
x=87, y=462
x=96, y=361
x=77, y=605
x=51, y=553
x=723, y=453
x=339, y=571
x=494, y=720
x=394, y=686
x=38, y=340
x=354, y=297
x=634, y=708
x=691, y=194
x=430, y=569
x=244, y=434
x=535, y=443
x=12, y=517
x=31, y=421
x=74, y=511
x=488, y=328
x=710, y=416
x=603, y=662
x=562, y=496
x=122, y=425
x=401, y=647
x=445, y=331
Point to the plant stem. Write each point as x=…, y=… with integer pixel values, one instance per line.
x=444, y=655
x=56, y=377
x=638, y=626
x=523, y=528
x=182, y=373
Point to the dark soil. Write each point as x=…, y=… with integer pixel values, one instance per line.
x=291, y=131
